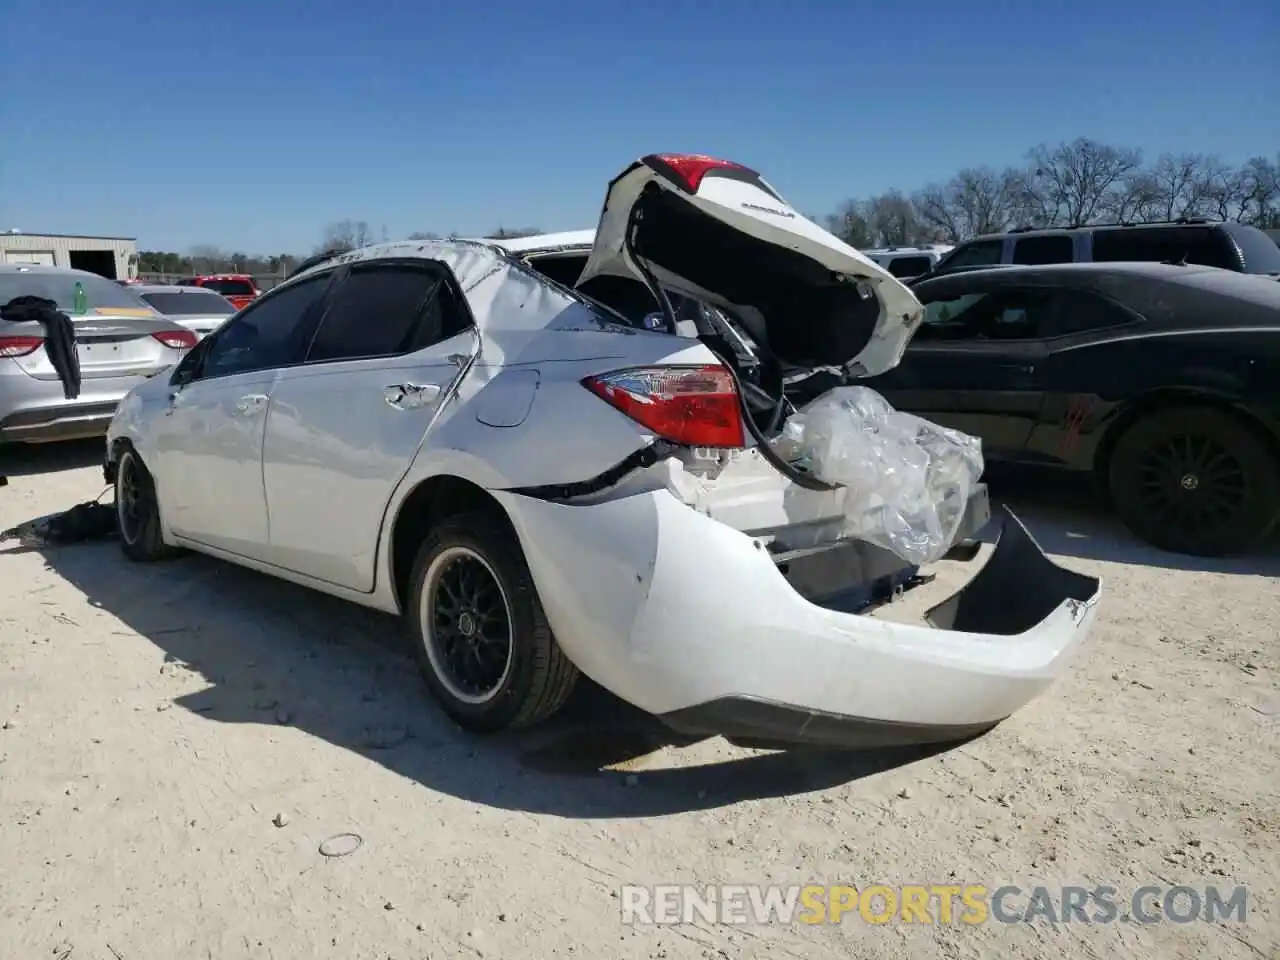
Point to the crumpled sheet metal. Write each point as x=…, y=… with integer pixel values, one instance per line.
x=908, y=480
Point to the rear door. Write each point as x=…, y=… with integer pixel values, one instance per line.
x=977, y=365
x=209, y=439
x=344, y=427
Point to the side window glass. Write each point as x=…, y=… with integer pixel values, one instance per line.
x=1199, y=245
x=980, y=253
x=1079, y=312
x=1006, y=315
x=266, y=334
x=382, y=310
x=1039, y=250
x=907, y=267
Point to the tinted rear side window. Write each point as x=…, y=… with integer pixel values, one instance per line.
x=980, y=253
x=1040, y=250
x=1261, y=252
x=1080, y=311
x=1202, y=245
x=381, y=311
x=909, y=266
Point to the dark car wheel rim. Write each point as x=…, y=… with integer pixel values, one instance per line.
x=1192, y=484
x=132, y=500
x=466, y=625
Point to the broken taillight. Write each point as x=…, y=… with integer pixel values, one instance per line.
x=177, y=339
x=19, y=346
x=688, y=169
x=692, y=406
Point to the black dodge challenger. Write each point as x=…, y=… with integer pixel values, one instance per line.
x=1162, y=381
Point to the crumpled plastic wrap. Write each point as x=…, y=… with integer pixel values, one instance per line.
x=908, y=480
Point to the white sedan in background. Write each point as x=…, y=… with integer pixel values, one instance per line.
x=198, y=309
x=541, y=486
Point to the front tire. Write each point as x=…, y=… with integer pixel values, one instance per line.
x=1196, y=481
x=138, y=511
x=479, y=632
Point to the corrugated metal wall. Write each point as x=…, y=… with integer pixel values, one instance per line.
x=37, y=248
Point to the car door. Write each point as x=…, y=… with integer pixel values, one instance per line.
x=209, y=439
x=343, y=427
x=976, y=365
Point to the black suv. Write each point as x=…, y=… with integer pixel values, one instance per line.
x=1233, y=246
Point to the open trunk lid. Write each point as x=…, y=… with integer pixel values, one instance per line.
x=716, y=231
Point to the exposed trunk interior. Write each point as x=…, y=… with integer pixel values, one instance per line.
x=812, y=317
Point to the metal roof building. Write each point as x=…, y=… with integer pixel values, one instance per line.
x=115, y=258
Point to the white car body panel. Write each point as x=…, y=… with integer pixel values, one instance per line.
x=661, y=586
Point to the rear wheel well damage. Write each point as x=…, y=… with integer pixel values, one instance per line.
x=431, y=502
x=1167, y=400
x=117, y=447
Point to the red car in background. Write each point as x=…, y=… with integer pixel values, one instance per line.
x=239, y=288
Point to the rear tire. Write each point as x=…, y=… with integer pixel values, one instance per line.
x=479, y=632
x=138, y=511
x=1196, y=481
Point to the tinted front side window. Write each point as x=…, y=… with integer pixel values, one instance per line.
x=1202, y=245
x=980, y=253
x=1040, y=250
x=268, y=333
x=384, y=310
x=1016, y=314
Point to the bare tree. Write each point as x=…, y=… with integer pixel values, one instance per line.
x=1259, y=186
x=424, y=235
x=1073, y=183
x=851, y=224
x=893, y=220
x=346, y=235
x=207, y=258
x=975, y=201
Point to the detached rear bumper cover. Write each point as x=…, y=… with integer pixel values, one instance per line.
x=691, y=620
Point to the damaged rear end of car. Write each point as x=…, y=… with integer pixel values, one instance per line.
x=728, y=562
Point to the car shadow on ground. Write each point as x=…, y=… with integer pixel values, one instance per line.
x=32, y=459
x=275, y=653
x=1067, y=519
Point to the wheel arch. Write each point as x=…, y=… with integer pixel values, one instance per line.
x=433, y=500
x=1164, y=399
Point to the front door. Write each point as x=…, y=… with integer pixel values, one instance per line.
x=344, y=427
x=977, y=365
x=209, y=439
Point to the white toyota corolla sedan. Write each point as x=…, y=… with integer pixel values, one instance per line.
x=546, y=476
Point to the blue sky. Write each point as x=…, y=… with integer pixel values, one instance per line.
x=252, y=125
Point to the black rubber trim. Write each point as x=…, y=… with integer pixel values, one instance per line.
x=766, y=722
x=642, y=458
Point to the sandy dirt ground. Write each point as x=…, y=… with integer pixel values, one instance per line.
x=178, y=741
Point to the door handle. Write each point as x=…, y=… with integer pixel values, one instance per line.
x=409, y=396
x=1019, y=367
x=250, y=403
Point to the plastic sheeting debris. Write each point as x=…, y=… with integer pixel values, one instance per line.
x=908, y=480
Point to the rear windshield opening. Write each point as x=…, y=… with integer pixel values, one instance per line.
x=74, y=293
x=190, y=304
x=811, y=317
x=907, y=267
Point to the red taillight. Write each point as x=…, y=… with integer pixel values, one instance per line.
x=19, y=346
x=689, y=169
x=177, y=339
x=693, y=406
